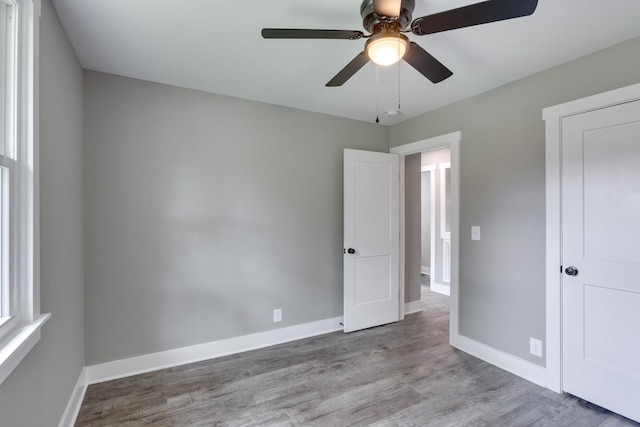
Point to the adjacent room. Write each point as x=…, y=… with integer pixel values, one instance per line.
x=244, y=192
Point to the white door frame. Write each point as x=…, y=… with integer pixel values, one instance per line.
x=432, y=215
x=451, y=140
x=553, y=123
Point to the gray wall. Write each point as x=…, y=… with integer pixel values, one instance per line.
x=412, y=224
x=203, y=213
x=37, y=392
x=502, y=282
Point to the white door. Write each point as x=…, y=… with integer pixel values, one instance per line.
x=371, y=239
x=601, y=242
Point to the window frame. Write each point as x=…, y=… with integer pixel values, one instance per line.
x=20, y=327
x=8, y=104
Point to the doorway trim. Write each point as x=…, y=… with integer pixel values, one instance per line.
x=432, y=216
x=451, y=140
x=552, y=117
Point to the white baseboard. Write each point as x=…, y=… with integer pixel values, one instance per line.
x=425, y=270
x=520, y=367
x=413, y=307
x=441, y=289
x=196, y=353
x=75, y=402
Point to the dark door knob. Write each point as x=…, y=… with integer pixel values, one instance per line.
x=571, y=271
x=351, y=251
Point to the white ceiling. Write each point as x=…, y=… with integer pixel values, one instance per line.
x=216, y=46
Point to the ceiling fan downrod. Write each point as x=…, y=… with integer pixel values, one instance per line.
x=371, y=20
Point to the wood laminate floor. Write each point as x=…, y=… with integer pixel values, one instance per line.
x=403, y=374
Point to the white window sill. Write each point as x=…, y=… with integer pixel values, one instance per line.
x=17, y=345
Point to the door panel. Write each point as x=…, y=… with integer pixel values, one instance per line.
x=604, y=328
x=371, y=229
x=612, y=187
x=601, y=226
x=372, y=219
x=375, y=272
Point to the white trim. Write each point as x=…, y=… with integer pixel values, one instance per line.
x=444, y=234
x=75, y=402
x=432, y=206
x=452, y=140
x=432, y=260
x=553, y=297
x=28, y=219
x=520, y=367
x=401, y=252
x=425, y=270
x=594, y=102
x=18, y=344
x=26, y=240
x=413, y=307
x=441, y=141
x=211, y=350
x=441, y=289
x=446, y=260
x=553, y=121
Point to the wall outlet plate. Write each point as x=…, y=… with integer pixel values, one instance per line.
x=475, y=232
x=277, y=315
x=535, y=347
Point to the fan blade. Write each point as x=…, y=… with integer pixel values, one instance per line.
x=347, y=72
x=474, y=14
x=290, y=33
x=390, y=8
x=426, y=64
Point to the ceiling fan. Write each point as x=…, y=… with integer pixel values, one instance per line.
x=387, y=20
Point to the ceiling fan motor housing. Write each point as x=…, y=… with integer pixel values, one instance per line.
x=372, y=22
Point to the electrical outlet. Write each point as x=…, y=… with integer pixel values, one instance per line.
x=277, y=315
x=535, y=347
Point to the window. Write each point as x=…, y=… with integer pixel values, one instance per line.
x=20, y=318
x=7, y=151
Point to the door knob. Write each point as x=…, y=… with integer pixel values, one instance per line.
x=571, y=271
x=351, y=251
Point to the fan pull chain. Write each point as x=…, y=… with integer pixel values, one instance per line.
x=377, y=93
x=399, y=73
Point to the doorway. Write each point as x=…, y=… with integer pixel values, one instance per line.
x=451, y=141
x=435, y=224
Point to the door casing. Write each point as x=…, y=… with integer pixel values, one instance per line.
x=553, y=163
x=451, y=140
x=431, y=169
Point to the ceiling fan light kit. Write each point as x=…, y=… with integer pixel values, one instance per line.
x=387, y=20
x=387, y=48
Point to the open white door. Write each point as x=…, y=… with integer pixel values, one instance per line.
x=601, y=256
x=371, y=239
